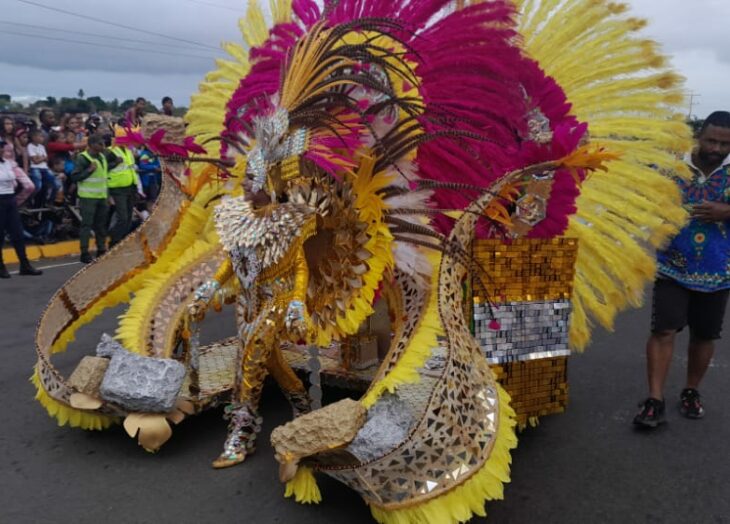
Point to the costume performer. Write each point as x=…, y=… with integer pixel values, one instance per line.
x=374, y=140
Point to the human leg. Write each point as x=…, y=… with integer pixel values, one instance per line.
x=123, y=213
x=289, y=382
x=706, y=315
x=243, y=414
x=37, y=178
x=659, y=351
x=3, y=226
x=87, y=209
x=670, y=305
x=670, y=314
x=101, y=218
x=12, y=225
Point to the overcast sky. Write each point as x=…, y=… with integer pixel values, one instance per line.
x=43, y=54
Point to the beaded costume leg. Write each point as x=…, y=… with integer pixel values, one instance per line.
x=244, y=419
x=289, y=382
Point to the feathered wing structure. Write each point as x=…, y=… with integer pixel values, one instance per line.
x=178, y=230
x=408, y=128
x=623, y=87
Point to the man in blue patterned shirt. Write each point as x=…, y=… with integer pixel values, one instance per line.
x=693, y=281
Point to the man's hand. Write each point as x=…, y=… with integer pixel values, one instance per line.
x=711, y=212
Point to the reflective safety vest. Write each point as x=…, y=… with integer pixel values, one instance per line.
x=125, y=173
x=96, y=185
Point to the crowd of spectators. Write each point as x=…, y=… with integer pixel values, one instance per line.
x=45, y=153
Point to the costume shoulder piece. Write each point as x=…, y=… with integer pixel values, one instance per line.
x=270, y=231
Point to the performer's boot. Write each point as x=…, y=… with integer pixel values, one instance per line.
x=244, y=424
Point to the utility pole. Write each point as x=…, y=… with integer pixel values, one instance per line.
x=692, y=103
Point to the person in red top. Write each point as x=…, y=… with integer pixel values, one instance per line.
x=58, y=146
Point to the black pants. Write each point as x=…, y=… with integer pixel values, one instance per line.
x=123, y=205
x=10, y=224
x=674, y=307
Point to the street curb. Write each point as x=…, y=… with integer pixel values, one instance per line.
x=57, y=250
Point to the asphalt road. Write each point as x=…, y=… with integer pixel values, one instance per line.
x=585, y=466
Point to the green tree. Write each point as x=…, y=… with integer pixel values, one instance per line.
x=98, y=102
x=81, y=93
x=124, y=106
x=51, y=101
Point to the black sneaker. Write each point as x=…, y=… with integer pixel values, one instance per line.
x=85, y=258
x=690, y=404
x=651, y=413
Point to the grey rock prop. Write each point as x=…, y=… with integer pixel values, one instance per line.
x=141, y=384
x=107, y=347
x=388, y=424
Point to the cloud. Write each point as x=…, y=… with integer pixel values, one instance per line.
x=25, y=83
x=694, y=32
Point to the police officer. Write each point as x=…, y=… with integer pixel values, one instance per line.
x=123, y=183
x=91, y=174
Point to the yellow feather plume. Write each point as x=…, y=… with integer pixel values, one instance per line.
x=620, y=84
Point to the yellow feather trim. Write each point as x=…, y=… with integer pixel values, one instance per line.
x=466, y=500
x=303, y=487
x=66, y=415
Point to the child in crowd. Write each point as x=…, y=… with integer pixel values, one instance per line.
x=150, y=174
x=45, y=183
x=57, y=168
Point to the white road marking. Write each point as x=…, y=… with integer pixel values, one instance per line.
x=50, y=267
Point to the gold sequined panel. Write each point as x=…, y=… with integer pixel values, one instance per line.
x=527, y=269
x=537, y=387
x=455, y=434
x=532, y=282
x=96, y=280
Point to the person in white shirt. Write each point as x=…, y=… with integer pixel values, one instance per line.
x=45, y=183
x=10, y=217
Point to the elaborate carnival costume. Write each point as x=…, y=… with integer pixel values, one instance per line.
x=386, y=136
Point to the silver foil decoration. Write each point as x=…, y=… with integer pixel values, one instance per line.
x=388, y=424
